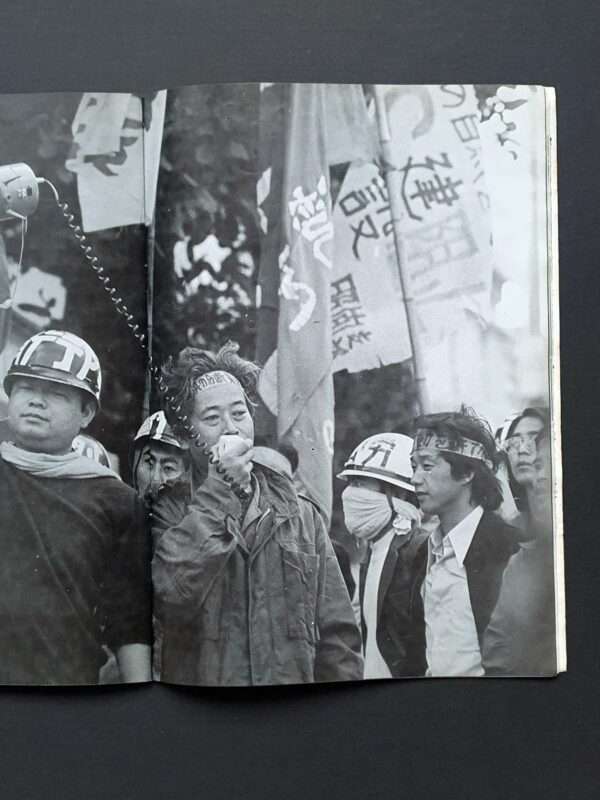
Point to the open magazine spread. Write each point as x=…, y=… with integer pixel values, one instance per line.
x=280, y=385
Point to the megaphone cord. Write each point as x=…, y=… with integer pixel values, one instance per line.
x=140, y=337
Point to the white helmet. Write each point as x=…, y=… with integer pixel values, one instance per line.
x=385, y=456
x=157, y=429
x=89, y=447
x=60, y=357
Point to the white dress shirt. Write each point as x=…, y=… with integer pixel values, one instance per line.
x=451, y=635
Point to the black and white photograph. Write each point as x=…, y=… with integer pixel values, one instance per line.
x=280, y=385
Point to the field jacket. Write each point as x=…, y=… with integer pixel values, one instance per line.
x=261, y=602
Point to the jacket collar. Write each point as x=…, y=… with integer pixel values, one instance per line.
x=276, y=492
x=460, y=537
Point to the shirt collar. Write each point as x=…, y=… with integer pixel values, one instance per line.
x=460, y=537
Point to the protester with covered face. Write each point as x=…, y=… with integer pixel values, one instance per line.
x=74, y=573
x=159, y=458
x=247, y=586
x=380, y=510
x=521, y=636
x=460, y=566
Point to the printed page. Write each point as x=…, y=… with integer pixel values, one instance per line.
x=75, y=603
x=357, y=417
x=326, y=367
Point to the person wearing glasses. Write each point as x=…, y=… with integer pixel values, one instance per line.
x=521, y=637
x=518, y=439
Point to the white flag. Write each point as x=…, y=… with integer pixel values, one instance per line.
x=116, y=155
x=368, y=319
x=445, y=226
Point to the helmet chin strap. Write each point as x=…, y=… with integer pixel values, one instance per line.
x=390, y=503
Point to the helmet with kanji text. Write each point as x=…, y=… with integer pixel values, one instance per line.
x=384, y=456
x=58, y=357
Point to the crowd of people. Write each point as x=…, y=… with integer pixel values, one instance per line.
x=214, y=569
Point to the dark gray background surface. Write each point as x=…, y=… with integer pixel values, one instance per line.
x=449, y=739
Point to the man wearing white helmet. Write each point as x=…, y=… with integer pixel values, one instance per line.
x=74, y=569
x=380, y=510
x=159, y=457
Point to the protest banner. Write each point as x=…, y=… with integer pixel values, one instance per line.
x=444, y=227
x=116, y=153
x=367, y=312
x=300, y=367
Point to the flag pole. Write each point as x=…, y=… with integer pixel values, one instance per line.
x=393, y=179
x=150, y=246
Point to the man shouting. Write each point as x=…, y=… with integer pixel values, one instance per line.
x=247, y=591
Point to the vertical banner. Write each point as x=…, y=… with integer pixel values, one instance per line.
x=445, y=225
x=297, y=383
x=368, y=319
x=304, y=376
x=116, y=153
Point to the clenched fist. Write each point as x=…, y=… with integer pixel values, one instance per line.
x=234, y=454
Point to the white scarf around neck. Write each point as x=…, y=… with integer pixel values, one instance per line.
x=44, y=465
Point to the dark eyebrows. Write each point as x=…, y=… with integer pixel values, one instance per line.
x=240, y=402
x=168, y=460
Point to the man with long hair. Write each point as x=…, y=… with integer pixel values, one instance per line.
x=461, y=565
x=521, y=636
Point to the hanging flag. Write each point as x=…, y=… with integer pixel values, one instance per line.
x=368, y=319
x=445, y=226
x=300, y=368
x=274, y=110
x=116, y=152
x=351, y=133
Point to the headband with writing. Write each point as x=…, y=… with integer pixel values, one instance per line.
x=215, y=378
x=429, y=440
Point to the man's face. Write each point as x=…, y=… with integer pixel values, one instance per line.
x=158, y=465
x=521, y=449
x=435, y=487
x=45, y=417
x=218, y=410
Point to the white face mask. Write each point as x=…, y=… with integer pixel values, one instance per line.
x=367, y=512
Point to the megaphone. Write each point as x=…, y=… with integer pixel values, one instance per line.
x=19, y=191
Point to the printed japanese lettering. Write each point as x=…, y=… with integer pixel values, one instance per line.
x=311, y=217
x=428, y=187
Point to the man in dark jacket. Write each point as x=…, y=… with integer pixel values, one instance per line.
x=460, y=567
x=74, y=574
x=247, y=586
